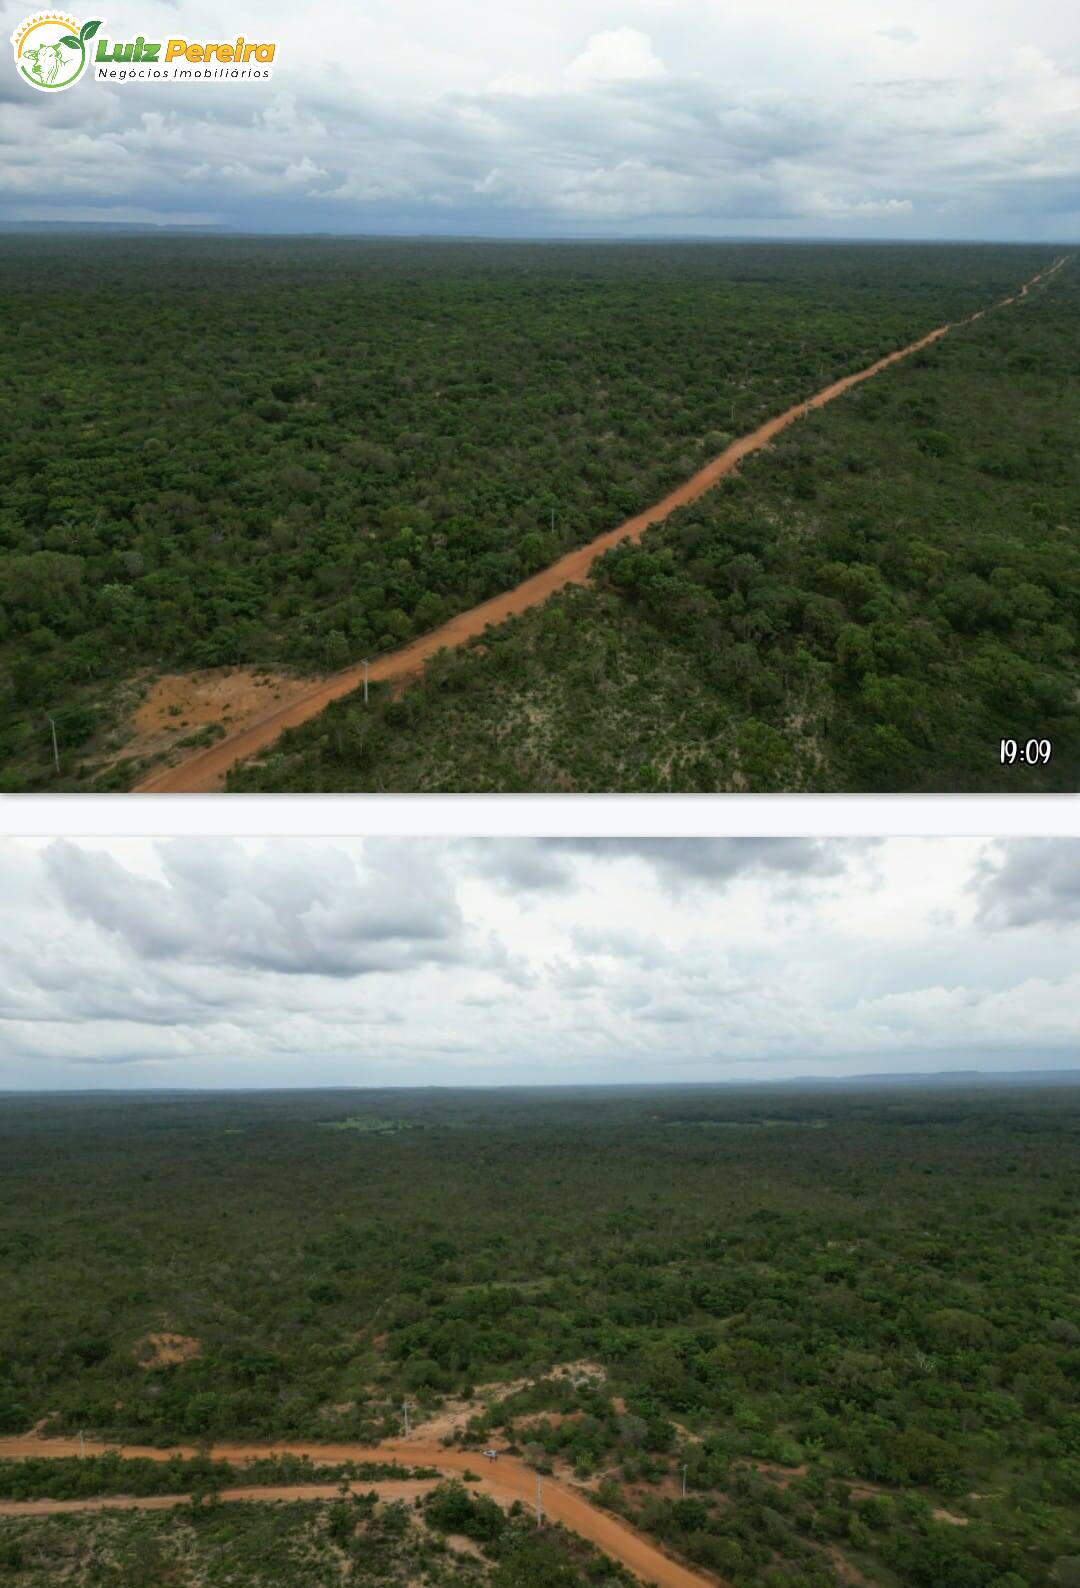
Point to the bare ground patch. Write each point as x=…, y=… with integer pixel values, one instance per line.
x=463, y=1546
x=555, y=1419
x=780, y=1477
x=577, y=1372
x=180, y=704
x=454, y=1415
x=164, y=1350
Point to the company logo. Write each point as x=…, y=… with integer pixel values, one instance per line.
x=50, y=50
x=53, y=51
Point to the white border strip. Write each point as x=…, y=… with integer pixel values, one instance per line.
x=541, y=815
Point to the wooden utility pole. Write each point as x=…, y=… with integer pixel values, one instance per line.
x=539, y=1501
x=365, y=680
x=55, y=747
x=405, y=1409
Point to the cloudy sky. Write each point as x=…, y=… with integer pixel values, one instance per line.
x=577, y=117
x=210, y=962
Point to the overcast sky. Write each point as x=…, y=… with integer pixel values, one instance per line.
x=209, y=962
x=577, y=117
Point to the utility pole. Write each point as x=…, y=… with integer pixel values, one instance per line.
x=553, y=521
x=55, y=747
x=539, y=1501
x=684, y=1480
x=82, y=1443
x=365, y=680
x=405, y=1409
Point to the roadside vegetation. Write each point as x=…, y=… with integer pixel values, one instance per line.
x=295, y=454
x=872, y=603
x=354, y=1542
x=852, y=1317
x=88, y=1476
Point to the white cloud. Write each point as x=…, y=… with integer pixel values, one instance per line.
x=211, y=962
x=305, y=172
x=781, y=119
x=835, y=208
x=622, y=55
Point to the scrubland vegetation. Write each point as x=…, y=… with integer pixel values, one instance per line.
x=853, y=1317
x=294, y=1544
x=295, y=454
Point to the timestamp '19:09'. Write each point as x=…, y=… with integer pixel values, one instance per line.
x=1027, y=752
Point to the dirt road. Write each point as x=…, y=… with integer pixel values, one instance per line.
x=391, y=1489
x=505, y=1481
x=205, y=771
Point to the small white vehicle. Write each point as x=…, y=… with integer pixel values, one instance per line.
x=492, y=1455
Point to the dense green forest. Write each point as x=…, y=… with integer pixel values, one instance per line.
x=296, y=453
x=853, y=1316
x=873, y=603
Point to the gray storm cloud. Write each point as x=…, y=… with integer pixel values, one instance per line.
x=1027, y=883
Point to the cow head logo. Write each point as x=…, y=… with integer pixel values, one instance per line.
x=50, y=49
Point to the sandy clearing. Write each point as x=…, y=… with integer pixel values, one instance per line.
x=455, y=1414
x=206, y=770
x=178, y=704
x=162, y=1350
x=507, y=1480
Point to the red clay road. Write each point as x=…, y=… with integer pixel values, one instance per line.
x=205, y=771
x=506, y=1480
x=392, y=1489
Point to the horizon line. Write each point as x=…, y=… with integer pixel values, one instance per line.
x=898, y=1078
x=209, y=229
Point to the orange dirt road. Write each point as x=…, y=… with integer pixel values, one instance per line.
x=505, y=1481
x=392, y=1489
x=205, y=771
